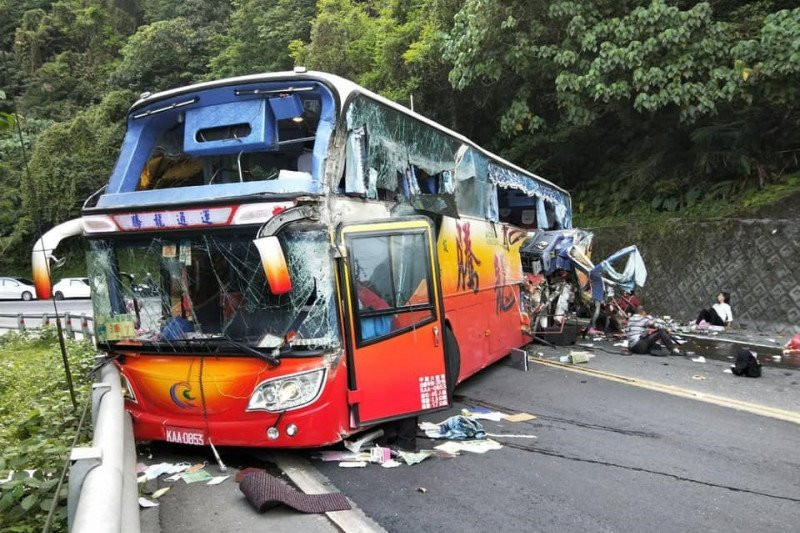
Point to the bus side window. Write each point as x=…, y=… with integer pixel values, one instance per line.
x=391, y=283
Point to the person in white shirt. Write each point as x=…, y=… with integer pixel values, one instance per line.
x=718, y=314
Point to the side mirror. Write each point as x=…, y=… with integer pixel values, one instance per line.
x=274, y=263
x=42, y=255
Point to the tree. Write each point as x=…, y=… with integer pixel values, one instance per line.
x=258, y=36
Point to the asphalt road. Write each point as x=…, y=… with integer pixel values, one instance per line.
x=608, y=457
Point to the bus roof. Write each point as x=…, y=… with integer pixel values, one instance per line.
x=344, y=89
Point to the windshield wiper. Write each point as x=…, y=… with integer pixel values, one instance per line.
x=227, y=341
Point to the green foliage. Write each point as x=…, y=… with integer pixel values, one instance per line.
x=258, y=36
x=146, y=64
x=72, y=159
x=37, y=425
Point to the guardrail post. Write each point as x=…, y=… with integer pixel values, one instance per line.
x=21, y=322
x=45, y=320
x=68, y=325
x=87, y=334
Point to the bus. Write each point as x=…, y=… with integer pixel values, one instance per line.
x=285, y=259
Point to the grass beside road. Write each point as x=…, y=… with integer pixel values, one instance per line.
x=37, y=425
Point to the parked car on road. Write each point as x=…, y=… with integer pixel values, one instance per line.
x=72, y=288
x=16, y=289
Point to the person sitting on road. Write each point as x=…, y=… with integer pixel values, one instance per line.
x=718, y=314
x=641, y=341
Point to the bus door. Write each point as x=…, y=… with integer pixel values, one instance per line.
x=394, y=320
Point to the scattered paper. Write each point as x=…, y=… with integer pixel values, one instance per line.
x=728, y=371
x=356, y=445
x=699, y=359
x=153, y=471
x=495, y=416
x=353, y=464
x=698, y=377
x=598, y=339
x=474, y=446
x=412, y=458
x=520, y=417
x=160, y=492
x=511, y=435
x=216, y=480
x=423, y=490
x=195, y=468
x=623, y=344
x=197, y=475
x=144, y=503
x=141, y=479
x=391, y=463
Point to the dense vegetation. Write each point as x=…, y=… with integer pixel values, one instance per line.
x=37, y=426
x=638, y=106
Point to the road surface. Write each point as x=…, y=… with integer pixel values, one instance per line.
x=609, y=457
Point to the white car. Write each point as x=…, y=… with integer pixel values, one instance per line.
x=16, y=289
x=72, y=288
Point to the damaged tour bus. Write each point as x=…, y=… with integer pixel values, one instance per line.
x=287, y=258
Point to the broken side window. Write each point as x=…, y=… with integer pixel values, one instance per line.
x=407, y=159
x=476, y=195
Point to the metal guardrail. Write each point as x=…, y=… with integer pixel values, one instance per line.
x=46, y=319
x=103, y=492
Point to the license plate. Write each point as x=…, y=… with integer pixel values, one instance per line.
x=185, y=436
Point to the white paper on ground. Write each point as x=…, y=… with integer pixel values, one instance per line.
x=700, y=359
x=216, y=480
x=494, y=416
x=512, y=435
x=474, y=446
x=391, y=463
x=144, y=503
x=353, y=464
x=160, y=492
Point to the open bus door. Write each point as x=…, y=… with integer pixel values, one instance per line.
x=394, y=320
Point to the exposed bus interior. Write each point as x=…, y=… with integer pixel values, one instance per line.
x=231, y=140
x=394, y=157
x=167, y=292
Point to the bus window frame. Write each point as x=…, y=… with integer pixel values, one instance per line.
x=357, y=314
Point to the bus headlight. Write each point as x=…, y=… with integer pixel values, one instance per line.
x=287, y=392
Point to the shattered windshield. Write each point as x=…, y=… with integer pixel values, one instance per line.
x=161, y=291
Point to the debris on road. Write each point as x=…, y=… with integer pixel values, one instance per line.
x=456, y=427
x=698, y=377
x=145, y=503
x=216, y=480
x=520, y=417
x=482, y=413
x=356, y=445
x=196, y=476
x=412, y=458
x=699, y=359
x=473, y=446
x=160, y=492
x=265, y=492
x=335, y=455
x=391, y=463
x=423, y=490
x=352, y=464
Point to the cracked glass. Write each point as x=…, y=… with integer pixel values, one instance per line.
x=162, y=291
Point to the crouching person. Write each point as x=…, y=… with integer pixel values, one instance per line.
x=643, y=335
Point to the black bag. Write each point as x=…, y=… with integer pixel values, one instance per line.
x=746, y=364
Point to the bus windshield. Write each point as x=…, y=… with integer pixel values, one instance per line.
x=162, y=291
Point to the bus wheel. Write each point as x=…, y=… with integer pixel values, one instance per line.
x=453, y=357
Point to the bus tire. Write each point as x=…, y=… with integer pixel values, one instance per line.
x=453, y=359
